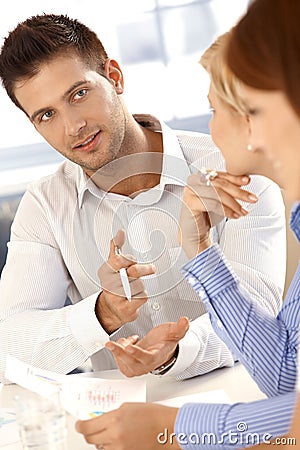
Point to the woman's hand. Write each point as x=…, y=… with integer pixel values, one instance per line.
x=206, y=201
x=133, y=426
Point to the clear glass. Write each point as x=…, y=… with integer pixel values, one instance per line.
x=41, y=422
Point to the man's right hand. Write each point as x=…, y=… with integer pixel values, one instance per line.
x=112, y=307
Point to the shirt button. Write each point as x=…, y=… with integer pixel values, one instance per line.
x=191, y=280
x=201, y=292
x=156, y=306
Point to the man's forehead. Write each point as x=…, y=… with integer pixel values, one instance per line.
x=53, y=80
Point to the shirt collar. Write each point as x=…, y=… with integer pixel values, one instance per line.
x=175, y=169
x=84, y=184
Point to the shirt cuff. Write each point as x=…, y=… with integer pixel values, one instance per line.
x=196, y=422
x=209, y=273
x=85, y=327
x=189, y=348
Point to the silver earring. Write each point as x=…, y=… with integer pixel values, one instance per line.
x=249, y=148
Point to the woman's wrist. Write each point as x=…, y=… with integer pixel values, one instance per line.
x=199, y=247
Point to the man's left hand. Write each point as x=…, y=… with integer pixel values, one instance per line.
x=136, y=357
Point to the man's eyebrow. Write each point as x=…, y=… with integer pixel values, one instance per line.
x=65, y=95
x=74, y=86
x=37, y=113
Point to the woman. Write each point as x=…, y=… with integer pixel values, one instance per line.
x=229, y=113
x=272, y=415
x=273, y=87
x=263, y=52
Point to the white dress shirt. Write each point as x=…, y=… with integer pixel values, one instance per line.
x=60, y=237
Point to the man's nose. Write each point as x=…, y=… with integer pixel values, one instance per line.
x=73, y=122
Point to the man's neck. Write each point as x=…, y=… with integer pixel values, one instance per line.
x=134, y=171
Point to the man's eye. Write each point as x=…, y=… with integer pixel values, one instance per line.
x=46, y=116
x=81, y=93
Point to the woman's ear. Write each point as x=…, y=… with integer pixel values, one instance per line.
x=114, y=75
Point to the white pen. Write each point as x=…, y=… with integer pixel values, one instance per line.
x=124, y=278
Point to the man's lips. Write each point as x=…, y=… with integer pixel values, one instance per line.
x=88, y=143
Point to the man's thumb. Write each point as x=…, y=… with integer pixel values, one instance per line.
x=182, y=327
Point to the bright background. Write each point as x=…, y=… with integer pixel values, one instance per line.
x=157, y=42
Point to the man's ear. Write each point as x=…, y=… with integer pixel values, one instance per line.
x=114, y=75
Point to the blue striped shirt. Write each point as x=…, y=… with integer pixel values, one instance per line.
x=266, y=345
x=218, y=426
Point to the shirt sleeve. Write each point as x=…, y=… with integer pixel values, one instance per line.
x=251, y=245
x=200, y=351
x=35, y=324
x=261, y=340
x=241, y=425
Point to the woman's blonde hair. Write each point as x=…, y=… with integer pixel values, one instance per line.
x=224, y=82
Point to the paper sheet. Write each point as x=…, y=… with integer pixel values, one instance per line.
x=86, y=397
x=89, y=397
x=41, y=381
x=82, y=397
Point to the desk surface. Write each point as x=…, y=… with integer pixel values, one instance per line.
x=235, y=382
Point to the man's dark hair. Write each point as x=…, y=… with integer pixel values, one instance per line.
x=41, y=38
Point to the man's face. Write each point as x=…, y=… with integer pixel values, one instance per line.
x=76, y=110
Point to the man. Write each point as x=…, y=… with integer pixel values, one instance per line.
x=56, y=70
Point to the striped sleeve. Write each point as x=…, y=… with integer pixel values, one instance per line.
x=260, y=340
x=221, y=426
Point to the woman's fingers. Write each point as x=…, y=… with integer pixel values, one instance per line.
x=222, y=197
